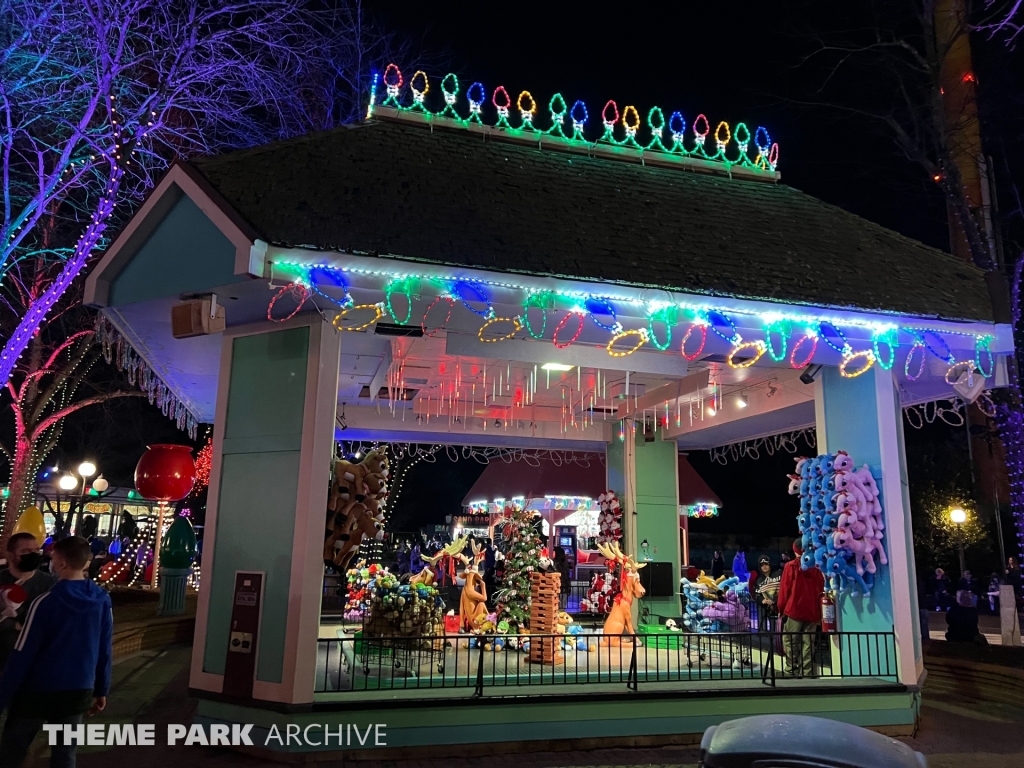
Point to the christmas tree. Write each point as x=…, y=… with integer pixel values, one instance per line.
x=521, y=557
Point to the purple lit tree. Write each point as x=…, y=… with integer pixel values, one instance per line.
x=97, y=97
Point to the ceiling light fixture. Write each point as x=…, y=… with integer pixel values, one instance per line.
x=742, y=401
x=557, y=367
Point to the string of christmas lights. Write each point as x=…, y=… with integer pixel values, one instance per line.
x=621, y=128
x=786, y=334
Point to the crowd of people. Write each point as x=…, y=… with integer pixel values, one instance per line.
x=963, y=602
x=56, y=630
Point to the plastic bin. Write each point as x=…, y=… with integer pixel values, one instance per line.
x=660, y=636
x=767, y=741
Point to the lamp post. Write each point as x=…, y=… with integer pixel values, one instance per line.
x=959, y=517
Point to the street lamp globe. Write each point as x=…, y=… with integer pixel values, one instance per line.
x=68, y=482
x=100, y=484
x=958, y=516
x=87, y=469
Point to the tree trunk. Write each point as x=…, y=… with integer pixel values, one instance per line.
x=22, y=488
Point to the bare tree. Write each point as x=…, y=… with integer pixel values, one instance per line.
x=97, y=97
x=924, y=92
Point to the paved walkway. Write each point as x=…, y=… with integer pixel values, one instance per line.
x=964, y=722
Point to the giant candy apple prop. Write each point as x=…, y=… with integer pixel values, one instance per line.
x=164, y=473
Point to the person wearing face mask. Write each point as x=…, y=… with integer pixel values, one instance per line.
x=23, y=559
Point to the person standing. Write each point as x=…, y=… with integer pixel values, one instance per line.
x=23, y=560
x=799, y=606
x=60, y=667
x=561, y=563
x=1013, y=577
x=717, y=564
x=765, y=593
x=940, y=590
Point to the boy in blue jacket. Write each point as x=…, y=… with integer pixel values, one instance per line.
x=60, y=666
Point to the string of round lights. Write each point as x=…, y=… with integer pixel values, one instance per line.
x=297, y=290
x=378, y=313
x=516, y=327
x=641, y=339
x=777, y=327
x=808, y=356
x=918, y=345
x=451, y=305
x=562, y=324
x=866, y=359
x=766, y=158
x=686, y=337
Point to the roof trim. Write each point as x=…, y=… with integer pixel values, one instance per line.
x=181, y=180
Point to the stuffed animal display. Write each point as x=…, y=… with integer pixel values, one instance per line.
x=355, y=507
x=716, y=606
x=840, y=521
x=603, y=589
x=609, y=520
x=395, y=609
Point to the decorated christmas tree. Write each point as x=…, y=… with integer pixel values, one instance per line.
x=522, y=554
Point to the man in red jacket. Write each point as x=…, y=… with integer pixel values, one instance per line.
x=800, y=607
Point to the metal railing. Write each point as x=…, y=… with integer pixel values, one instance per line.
x=479, y=663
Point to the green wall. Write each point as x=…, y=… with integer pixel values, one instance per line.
x=185, y=253
x=657, y=503
x=258, y=488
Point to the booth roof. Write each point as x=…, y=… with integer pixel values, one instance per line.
x=451, y=197
x=692, y=488
x=519, y=478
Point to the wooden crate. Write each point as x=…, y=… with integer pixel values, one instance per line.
x=544, y=592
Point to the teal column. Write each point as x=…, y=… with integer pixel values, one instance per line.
x=258, y=487
x=647, y=485
x=863, y=417
x=657, y=519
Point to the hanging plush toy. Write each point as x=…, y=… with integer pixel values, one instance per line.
x=840, y=520
x=609, y=519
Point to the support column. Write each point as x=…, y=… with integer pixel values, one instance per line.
x=646, y=477
x=273, y=437
x=844, y=409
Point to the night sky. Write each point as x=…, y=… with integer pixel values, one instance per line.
x=735, y=61
x=739, y=61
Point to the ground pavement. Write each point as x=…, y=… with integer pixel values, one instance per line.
x=965, y=721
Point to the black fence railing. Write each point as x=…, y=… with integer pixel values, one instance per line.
x=478, y=664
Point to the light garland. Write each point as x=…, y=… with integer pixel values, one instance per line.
x=778, y=327
x=378, y=314
x=701, y=510
x=640, y=333
x=865, y=355
x=731, y=148
x=516, y=327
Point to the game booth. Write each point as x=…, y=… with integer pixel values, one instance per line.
x=520, y=282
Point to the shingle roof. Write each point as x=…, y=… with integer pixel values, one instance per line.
x=451, y=197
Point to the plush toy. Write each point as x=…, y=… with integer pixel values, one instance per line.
x=841, y=461
x=609, y=520
x=739, y=566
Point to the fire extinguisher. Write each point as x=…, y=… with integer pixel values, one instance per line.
x=828, y=612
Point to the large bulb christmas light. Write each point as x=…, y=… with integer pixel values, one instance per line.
x=787, y=333
x=732, y=148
